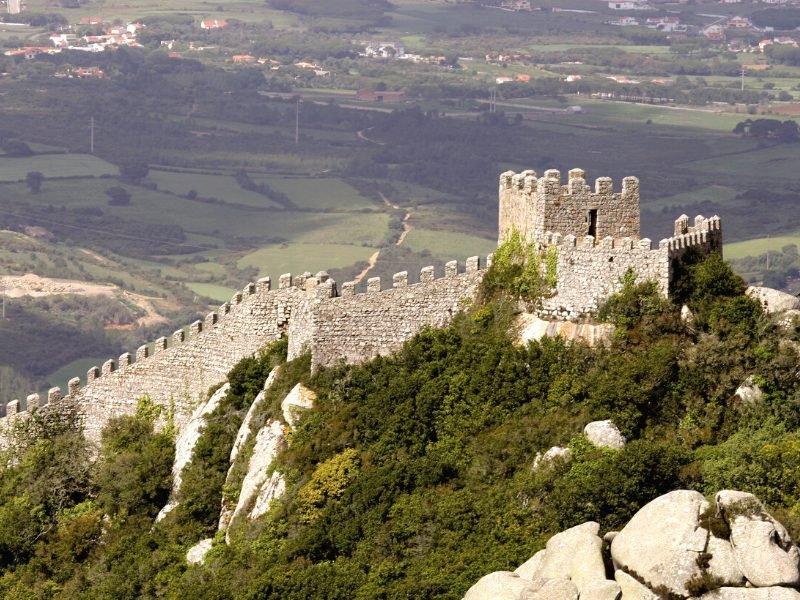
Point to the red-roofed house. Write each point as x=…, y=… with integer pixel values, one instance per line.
x=213, y=23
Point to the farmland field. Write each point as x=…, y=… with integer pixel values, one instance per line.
x=298, y=258
x=320, y=194
x=447, y=246
x=207, y=185
x=55, y=165
x=758, y=246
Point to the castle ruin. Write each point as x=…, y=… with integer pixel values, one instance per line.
x=595, y=234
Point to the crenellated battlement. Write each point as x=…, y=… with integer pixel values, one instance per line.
x=594, y=233
x=176, y=370
x=535, y=205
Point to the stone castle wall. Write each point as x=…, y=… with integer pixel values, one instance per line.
x=336, y=325
x=536, y=206
x=177, y=372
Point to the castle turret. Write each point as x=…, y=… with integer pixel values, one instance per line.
x=534, y=206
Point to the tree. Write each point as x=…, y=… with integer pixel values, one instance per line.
x=118, y=196
x=34, y=180
x=134, y=172
x=17, y=148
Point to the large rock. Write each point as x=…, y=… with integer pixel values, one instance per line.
x=761, y=545
x=269, y=441
x=501, y=585
x=605, y=590
x=749, y=391
x=604, y=434
x=722, y=566
x=774, y=301
x=270, y=490
x=632, y=589
x=557, y=589
x=554, y=454
x=296, y=403
x=184, y=445
x=789, y=319
x=575, y=554
x=530, y=568
x=662, y=542
x=740, y=593
x=245, y=429
x=197, y=553
x=532, y=328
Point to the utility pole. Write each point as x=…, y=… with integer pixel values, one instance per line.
x=91, y=135
x=742, y=78
x=297, y=122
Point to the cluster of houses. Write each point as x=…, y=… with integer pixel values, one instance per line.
x=113, y=36
x=668, y=24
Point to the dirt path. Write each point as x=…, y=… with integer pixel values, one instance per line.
x=407, y=227
x=372, y=261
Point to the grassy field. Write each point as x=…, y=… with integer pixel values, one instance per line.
x=449, y=246
x=214, y=220
x=775, y=163
x=218, y=293
x=222, y=187
x=712, y=193
x=76, y=368
x=55, y=165
x=322, y=194
x=244, y=10
x=759, y=246
x=627, y=112
x=299, y=258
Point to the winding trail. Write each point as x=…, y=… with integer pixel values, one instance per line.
x=372, y=261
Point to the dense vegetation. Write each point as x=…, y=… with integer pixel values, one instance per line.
x=411, y=477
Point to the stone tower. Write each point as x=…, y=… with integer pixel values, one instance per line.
x=536, y=206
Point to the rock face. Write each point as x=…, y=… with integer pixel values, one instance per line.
x=502, y=585
x=774, y=301
x=604, y=434
x=662, y=542
x=532, y=328
x=762, y=547
x=184, y=445
x=197, y=553
x=269, y=441
x=542, y=461
x=245, y=430
x=669, y=549
x=296, y=402
x=737, y=593
x=575, y=554
x=749, y=391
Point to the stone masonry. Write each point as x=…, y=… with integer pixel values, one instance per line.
x=590, y=267
x=339, y=325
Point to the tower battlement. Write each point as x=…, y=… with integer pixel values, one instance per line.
x=535, y=205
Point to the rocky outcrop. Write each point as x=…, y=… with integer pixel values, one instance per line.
x=269, y=441
x=762, y=547
x=184, y=445
x=662, y=542
x=774, y=301
x=749, y=391
x=502, y=585
x=197, y=553
x=245, y=430
x=296, y=402
x=604, y=434
x=554, y=454
x=532, y=328
x=676, y=546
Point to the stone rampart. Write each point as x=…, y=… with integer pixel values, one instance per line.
x=590, y=271
x=176, y=372
x=534, y=206
x=357, y=327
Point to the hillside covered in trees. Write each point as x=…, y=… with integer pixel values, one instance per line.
x=412, y=475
